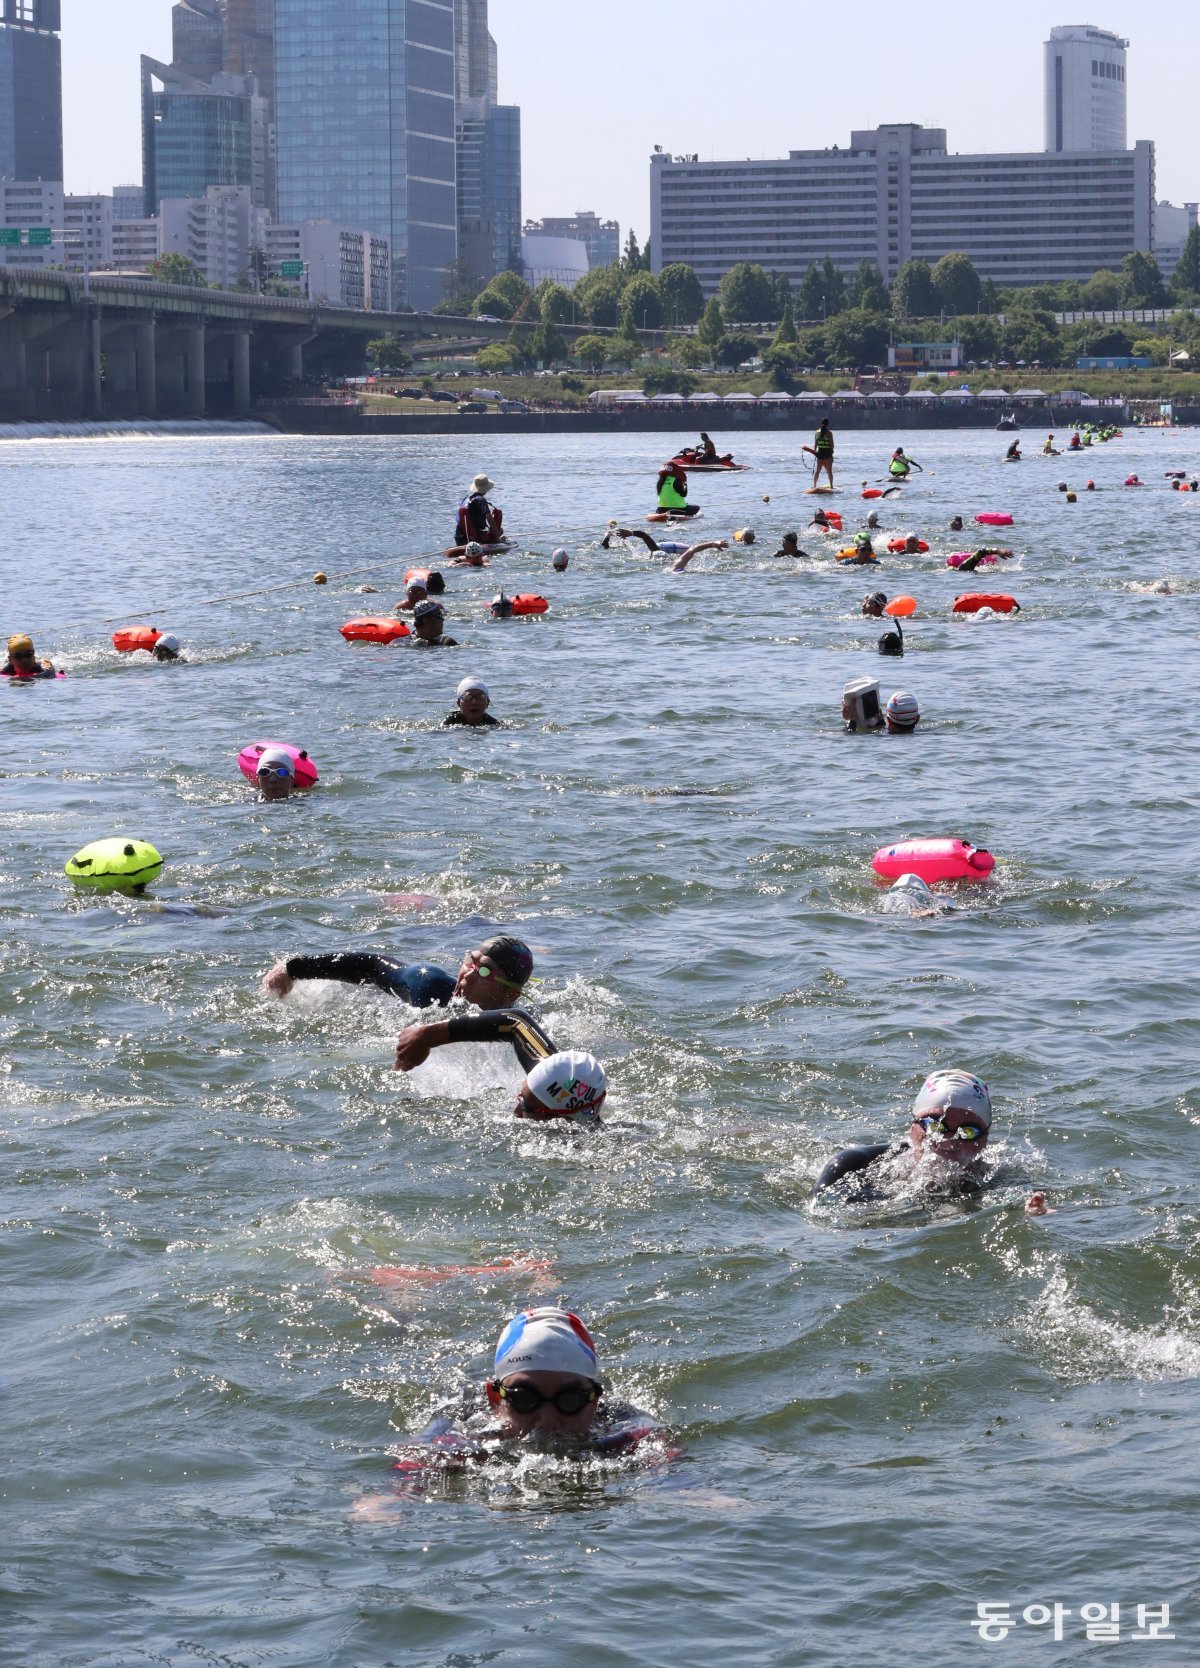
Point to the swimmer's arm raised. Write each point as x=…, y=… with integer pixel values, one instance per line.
x=681, y=562
x=349, y=967
x=530, y=1043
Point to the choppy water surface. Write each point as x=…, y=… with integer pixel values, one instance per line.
x=885, y=1421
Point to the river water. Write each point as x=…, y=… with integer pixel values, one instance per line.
x=884, y=1420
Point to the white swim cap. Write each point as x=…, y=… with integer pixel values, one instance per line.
x=569, y=1084
x=559, y=560
x=275, y=761
x=903, y=710
x=474, y=549
x=469, y=684
x=545, y=1341
x=168, y=640
x=958, y=1089
x=912, y=883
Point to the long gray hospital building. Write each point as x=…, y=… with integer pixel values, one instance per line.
x=897, y=193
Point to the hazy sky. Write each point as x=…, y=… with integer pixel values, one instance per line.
x=600, y=82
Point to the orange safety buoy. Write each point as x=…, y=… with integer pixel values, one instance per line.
x=897, y=547
x=873, y=492
x=833, y=519
x=973, y=601
x=528, y=603
x=901, y=607
x=131, y=638
x=374, y=629
x=421, y=574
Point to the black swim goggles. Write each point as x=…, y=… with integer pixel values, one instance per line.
x=524, y=1398
x=933, y=1125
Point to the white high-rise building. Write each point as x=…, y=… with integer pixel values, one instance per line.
x=218, y=232
x=1085, y=89
x=342, y=267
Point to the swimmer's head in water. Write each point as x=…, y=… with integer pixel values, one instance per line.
x=566, y=1085
x=502, y=608
x=874, y=604
x=559, y=560
x=547, y=1340
x=957, y=1091
x=902, y=711
x=473, y=549
x=915, y=887
x=511, y=957
x=275, y=773
x=167, y=647
x=892, y=642
x=744, y=535
x=436, y=583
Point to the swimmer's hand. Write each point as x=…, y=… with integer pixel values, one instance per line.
x=278, y=982
x=412, y=1047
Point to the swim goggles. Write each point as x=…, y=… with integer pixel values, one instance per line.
x=933, y=1125
x=486, y=971
x=280, y=771
x=524, y=1398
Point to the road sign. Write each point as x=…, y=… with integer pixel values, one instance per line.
x=291, y=269
x=10, y=235
x=40, y=237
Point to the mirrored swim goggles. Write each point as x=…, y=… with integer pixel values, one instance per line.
x=281, y=772
x=571, y=1399
x=934, y=1125
x=487, y=971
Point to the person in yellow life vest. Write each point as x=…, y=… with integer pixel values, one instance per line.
x=672, y=491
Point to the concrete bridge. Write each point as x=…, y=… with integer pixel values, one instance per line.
x=75, y=347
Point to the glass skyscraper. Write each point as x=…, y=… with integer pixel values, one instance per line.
x=489, y=189
x=196, y=134
x=31, y=143
x=364, y=110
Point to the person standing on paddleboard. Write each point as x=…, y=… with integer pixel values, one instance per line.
x=822, y=450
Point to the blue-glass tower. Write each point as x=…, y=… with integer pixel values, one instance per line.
x=364, y=112
x=31, y=140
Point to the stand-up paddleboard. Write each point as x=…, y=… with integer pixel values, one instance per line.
x=820, y=492
x=676, y=520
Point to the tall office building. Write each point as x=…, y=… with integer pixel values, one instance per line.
x=250, y=43
x=476, y=64
x=364, y=116
x=129, y=202
x=488, y=144
x=1085, y=89
x=196, y=134
x=897, y=194
x=31, y=145
x=198, y=38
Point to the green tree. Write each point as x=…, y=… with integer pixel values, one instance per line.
x=547, y=344
x=747, y=294
x=781, y=361
x=496, y=359
x=782, y=285
x=682, y=297
x=814, y=350
x=856, y=337
x=956, y=284
x=833, y=286
x=735, y=347
x=810, y=297
x=978, y=334
x=712, y=325
x=1102, y=292
x=912, y=294
x=867, y=289
x=590, y=351
x=785, y=336
x=688, y=351
x=518, y=348
x=641, y=302
x=177, y=269
x=1153, y=348
x=503, y=296
x=635, y=259
x=1030, y=334
x=661, y=379
x=598, y=295
x=389, y=353
x=1185, y=280
x=1141, y=281
x=989, y=301
x=625, y=348
x=553, y=302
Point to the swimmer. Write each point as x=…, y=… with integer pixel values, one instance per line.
x=559, y=561
x=791, y=547
x=1036, y=1205
x=471, y=707
x=1134, y=480
x=819, y=523
x=414, y=592
x=744, y=535
x=23, y=663
x=472, y=557
x=681, y=562
x=428, y=619
x=478, y=522
x=1090, y=487
x=491, y=976
x=956, y=524
x=167, y=648
x=656, y=547
x=984, y=555
x=912, y=897
x=892, y=642
x=275, y=774
x=902, y=713
x=558, y=1084
x=874, y=605
x=864, y=552
x=873, y=521
x=951, y=1121
x=545, y=1391
x=912, y=545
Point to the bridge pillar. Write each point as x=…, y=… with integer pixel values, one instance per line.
x=241, y=373
x=296, y=362
x=145, y=356
x=193, y=370
x=94, y=391
x=13, y=369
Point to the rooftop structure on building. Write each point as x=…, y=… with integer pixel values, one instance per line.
x=365, y=122
x=197, y=134
x=602, y=237
x=31, y=140
x=1085, y=89
x=198, y=38
x=896, y=194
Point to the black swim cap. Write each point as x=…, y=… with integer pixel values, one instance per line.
x=435, y=584
x=510, y=957
x=892, y=642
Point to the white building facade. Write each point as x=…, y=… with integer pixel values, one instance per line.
x=88, y=229
x=28, y=209
x=897, y=193
x=135, y=244
x=219, y=231
x=1085, y=89
x=343, y=268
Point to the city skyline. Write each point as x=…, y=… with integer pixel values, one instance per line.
x=567, y=168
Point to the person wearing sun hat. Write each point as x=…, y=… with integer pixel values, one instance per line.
x=491, y=976
x=472, y=703
x=478, y=521
x=950, y=1124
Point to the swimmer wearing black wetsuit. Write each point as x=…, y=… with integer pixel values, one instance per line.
x=951, y=1119
x=491, y=976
